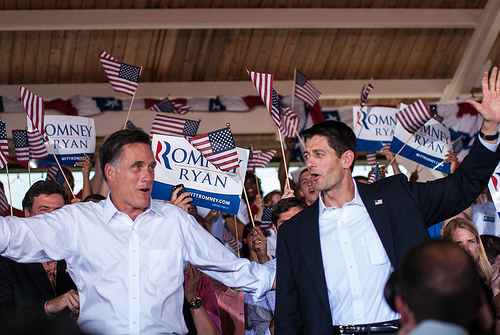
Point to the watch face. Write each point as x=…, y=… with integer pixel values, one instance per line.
x=196, y=302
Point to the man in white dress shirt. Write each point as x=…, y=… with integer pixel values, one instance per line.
x=126, y=254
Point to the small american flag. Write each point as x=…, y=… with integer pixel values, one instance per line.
x=305, y=89
x=168, y=106
x=375, y=175
x=38, y=150
x=21, y=145
x=35, y=109
x=364, y=94
x=168, y=125
x=218, y=148
x=289, y=121
x=264, y=84
x=414, y=116
x=371, y=158
x=276, y=110
x=229, y=238
x=54, y=174
x=261, y=158
x=4, y=146
x=266, y=222
x=123, y=78
x=4, y=205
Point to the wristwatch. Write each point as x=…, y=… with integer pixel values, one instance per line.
x=195, y=303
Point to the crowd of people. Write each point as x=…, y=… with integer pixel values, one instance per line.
x=332, y=254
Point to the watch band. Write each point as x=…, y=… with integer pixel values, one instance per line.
x=488, y=137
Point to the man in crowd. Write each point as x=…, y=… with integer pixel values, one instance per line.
x=303, y=181
x=127, y=253
x=336, y=255
x=261, y=313
x=439, y=289
x=38, y=297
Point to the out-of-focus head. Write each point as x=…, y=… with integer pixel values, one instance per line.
x=439, y=281
x=96, y=197
x=44, y=197
x=491, y=246
x=272, y=198
x=285, y=209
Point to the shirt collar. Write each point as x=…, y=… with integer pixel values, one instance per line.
x=110, y=210
x=355, y=201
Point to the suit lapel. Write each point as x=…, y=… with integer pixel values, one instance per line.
x=39, y=276
x=376, y=204
x=311, y=249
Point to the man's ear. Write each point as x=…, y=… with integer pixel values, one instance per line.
x=109, y=172
x=347, y=159
x=26, y=213
x=407, y=317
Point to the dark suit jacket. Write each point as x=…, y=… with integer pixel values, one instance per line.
x=24, y=289
x=401, y=218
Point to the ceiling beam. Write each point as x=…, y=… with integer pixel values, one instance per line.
x=330, y=89
x=222, y=18
x=476, y=53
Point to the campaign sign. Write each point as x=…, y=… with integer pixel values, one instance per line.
x=374, y=127
x=70, y=137
x=178, y=162
x=428, y=146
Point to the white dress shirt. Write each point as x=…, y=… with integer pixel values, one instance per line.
x=129, y=274
x=355, y=263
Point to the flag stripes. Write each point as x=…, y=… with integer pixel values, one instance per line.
x=4, y=146
x=264, y=84
x=305, y=89
x=38, y=149
x=364, y=94
x=218, y=148
x=35, y=109
x=168, y=125
x=414, y=116
x=123, y=78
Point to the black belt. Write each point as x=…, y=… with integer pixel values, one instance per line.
x=371, y=328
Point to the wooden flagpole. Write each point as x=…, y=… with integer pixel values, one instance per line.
x=131, y=103
x=255, y=175
x=237, y=239
x=60, y=168
x=287, y=182
x=10, y=190
x=293, y=91
x=246, y=197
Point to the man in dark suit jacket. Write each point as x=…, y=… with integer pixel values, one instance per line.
x=29, y=302
x=336, y=255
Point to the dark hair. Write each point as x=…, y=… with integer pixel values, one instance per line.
x=42, y=187
x=284, y=205
x=94, y=197
x=245, y=250
x=69, y=176
x=340, y=136
x=111, y=149
x=270, y=195
x=438, y=280
x=491, y=246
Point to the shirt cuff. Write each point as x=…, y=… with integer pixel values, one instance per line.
x=266, y=281
x=490, y=146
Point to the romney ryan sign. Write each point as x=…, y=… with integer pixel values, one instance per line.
x=178, y=162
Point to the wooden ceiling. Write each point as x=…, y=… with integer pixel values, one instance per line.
x=411, y=48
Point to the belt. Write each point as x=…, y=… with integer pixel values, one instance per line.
x=371, y=328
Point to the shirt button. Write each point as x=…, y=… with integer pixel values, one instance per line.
x=351, y=266
x=133, y=322
x=133, y=275
x=133, y=298
x=133, y=251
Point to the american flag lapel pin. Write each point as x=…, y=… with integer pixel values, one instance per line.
x=379, y=202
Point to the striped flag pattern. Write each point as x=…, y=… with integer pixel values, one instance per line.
x=264, y=84
x=35, y=109
x=414, y=116
x=364, y=94
x=276, y=110
x=218, y=148
x=375, y=175
x=167, y=106
x=4, y=204
x=168, y=125
x=261, y=158
x=371, y=158
x=123, y=78
x=54, y=174
x=4, y=146
x=305, y=89
x=38, y=150
x=21, y=145
x=289, y=121
x=229, y=238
